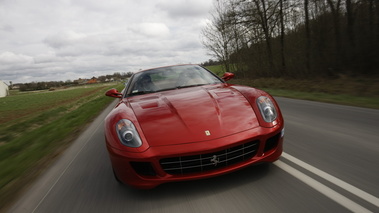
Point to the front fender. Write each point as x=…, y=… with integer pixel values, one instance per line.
x=252, y=94
x=122, y=111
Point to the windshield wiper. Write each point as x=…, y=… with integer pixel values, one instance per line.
x=161, y=90
x=192, y=85
x=141, y=92
x=179, y=87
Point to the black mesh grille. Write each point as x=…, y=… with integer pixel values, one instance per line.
x=209, y=161
x=272, y=142
x=143, y=168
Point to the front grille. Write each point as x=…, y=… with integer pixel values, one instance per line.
x=209, y=161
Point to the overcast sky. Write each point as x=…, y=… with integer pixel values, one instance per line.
x=59, y=40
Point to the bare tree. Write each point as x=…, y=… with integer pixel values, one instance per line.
x=282, y=34
x=217, y=35
x=350, y=22
x=273, y=38
x=335, y=8
x=307, y=36
x=266, y=11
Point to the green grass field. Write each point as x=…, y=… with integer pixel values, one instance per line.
x=36, y=126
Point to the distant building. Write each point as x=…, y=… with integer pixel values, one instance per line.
x=4, y=89
x=93, y=80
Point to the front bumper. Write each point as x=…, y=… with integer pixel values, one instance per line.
x=149, y=168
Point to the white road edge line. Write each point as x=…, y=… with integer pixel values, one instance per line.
x=342, y=200
x=348, y=187
x=64, y=171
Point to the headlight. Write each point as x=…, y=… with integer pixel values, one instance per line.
x=267, y=109
x=128, y=134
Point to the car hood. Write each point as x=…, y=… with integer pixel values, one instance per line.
x=192, y=114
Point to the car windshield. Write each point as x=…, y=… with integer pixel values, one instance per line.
x=168, y=78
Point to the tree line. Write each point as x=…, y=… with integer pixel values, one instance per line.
x=117, y=76
x=295, y=38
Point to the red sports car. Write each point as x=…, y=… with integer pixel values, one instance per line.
x=183, y=122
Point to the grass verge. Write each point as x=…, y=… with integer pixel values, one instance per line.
x=347, y=91
x=30, y=142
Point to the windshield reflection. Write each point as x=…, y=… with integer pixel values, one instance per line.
x=169, y=78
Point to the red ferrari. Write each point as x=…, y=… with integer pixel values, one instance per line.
x=183, y=122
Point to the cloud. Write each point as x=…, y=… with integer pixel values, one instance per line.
x=185, y=8
x=65, y=39
x=50, y=58
x=156, y=30
x=9, y=58
x=6, y=28
x=11, y=63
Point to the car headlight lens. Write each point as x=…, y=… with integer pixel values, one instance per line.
x=267, y=109
x=128, y=134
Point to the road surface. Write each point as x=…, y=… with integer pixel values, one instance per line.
x=330, y=164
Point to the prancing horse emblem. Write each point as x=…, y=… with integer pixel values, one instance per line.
x=215, y=160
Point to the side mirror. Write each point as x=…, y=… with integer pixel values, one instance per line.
x=113, y=93
x=227, y=76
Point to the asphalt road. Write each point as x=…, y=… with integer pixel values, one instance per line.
x=330, y=164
